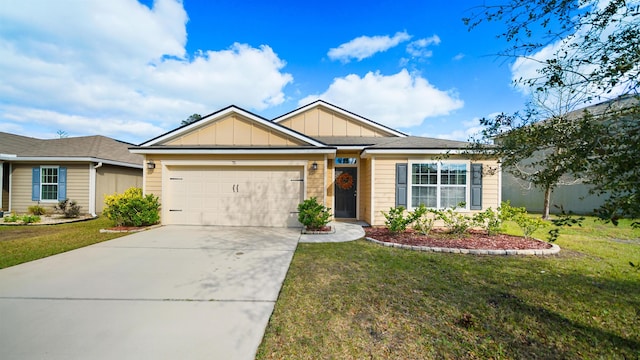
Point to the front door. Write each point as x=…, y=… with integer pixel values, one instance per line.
x=345, y=190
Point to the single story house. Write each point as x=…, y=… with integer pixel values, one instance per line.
x=83, y=169
x=233, y=167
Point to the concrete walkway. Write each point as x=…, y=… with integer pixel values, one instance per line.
x=343, y=232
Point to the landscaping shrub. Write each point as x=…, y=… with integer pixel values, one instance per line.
x=519, y=215
x=423, y=220
x=490, y=220
x=69, y=208
x=312, y=214
x=12, y=218
x=28, y=219
x=131, y=208
x=456, y=222
x=396, y=220
x=36, y=210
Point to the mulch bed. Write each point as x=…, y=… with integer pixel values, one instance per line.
x=470, y=240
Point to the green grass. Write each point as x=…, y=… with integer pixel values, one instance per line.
x=360, y=300
x=19, y=244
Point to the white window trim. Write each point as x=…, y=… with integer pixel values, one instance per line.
x=410, y=184
x=42, y=183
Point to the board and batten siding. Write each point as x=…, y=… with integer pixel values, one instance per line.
x=235, y=130
x=318, y=121
x=115, y=179
x=77, y=185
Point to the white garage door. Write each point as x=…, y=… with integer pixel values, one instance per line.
x=233, y=196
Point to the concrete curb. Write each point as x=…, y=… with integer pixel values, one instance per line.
x=552, y=251
x=108, y=231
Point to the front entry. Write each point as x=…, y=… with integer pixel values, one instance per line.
x=345, y=190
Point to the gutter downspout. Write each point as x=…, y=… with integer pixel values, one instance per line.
x=92, y=188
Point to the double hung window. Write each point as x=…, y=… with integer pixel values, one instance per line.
x=49, y=183
x=439, y=185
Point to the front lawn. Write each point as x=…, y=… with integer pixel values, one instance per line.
x=20, y=244
x=360, y=300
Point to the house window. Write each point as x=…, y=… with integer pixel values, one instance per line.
x=438, y=185
x=49, y=183
x=346, y=161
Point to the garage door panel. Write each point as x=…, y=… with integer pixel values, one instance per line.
x=236, y=197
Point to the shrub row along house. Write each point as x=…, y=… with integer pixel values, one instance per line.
x=233, y=167
x=83, y=169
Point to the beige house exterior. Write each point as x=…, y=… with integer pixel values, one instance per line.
x=83, y=169
x=235, y=168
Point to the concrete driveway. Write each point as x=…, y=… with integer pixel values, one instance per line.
x=175, y=292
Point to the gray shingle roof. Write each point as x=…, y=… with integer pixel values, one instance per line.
x=418, y=142
x=351, y=140
x=99, y=147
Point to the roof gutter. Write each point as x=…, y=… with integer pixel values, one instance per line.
x=368, y=152
x=68, y=159
x=231, y=151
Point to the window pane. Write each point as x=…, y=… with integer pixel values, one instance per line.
x=49, y=175
x=423, y=195
x=451, y=196
x=350, y=161
x=49, y=192
x=451, y=174
x=424, y=174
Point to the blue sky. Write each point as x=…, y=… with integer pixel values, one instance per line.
x=133, y=70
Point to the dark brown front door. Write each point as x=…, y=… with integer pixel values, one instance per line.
x=345, y=189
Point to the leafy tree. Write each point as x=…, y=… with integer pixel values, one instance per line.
x=191, y=119
x=595, y=52
x=537, y=154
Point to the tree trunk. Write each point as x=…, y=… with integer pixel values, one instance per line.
x=547, y=203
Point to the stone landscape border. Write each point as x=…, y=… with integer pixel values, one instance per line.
x=552, y=251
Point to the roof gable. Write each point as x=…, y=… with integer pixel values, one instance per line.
x=232, y=126
x=321, y=119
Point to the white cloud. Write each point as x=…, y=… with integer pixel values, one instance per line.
x=469, y=130
x=399, y=100
x=419, y=48
x=366, y=46
x=458, y=57
x=109, y=126
x=120, y=69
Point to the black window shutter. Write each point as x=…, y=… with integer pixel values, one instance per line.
x=476, y=187
x=401, y=184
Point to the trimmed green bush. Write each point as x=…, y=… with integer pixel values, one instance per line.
x=28, y=219
x=131, y=208
x=313, y=215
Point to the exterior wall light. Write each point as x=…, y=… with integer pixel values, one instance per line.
x=314, y=166
x=151, y=165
